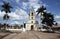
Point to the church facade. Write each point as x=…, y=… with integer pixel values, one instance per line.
x=31, y=24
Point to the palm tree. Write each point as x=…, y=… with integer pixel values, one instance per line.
x=41, y=9
x=48, y=18
x=6, y=7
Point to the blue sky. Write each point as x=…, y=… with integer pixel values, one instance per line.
x=20, y=11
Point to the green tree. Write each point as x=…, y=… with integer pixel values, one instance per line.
x=48, y=18
x=41, y=10
x=6, y=7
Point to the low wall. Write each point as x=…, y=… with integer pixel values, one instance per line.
x=15, y=30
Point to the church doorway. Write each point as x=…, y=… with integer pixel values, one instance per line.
x=32, y=27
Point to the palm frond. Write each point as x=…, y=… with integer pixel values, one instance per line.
x=6, y=7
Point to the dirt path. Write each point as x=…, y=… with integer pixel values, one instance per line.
x=33, y=35
x=11, y=36
x=44, y=35
x=25, y=35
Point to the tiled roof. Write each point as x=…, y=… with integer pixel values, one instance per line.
x=55, y=27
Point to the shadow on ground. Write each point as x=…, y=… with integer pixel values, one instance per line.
x=3, y=36
x=49, y=32
x=58, y=36
x=8, y=33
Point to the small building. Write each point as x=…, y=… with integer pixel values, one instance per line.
x=31, y=24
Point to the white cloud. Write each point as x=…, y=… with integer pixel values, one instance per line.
x=34, y=1
x=57, y=17
x=15, y=22
x=59, y=22
x=2, y=14
x=36, y=7
x=13, y=16
x=17, y=1
x=35, y=4
x=7, y=0
x=24, y=5
x=1, y=3
x=22, y=14
x=19, y=14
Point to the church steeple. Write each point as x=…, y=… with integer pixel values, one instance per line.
x=32, y=10
x=32, y=14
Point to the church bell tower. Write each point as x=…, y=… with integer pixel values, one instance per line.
x=31, y=24
x=32, y=16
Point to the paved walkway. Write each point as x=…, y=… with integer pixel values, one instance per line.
x=33, y=35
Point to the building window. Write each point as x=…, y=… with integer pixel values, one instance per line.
x=31, y=17
x=32, y=14
x=31, y=21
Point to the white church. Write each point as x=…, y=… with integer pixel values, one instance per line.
x=31, y=24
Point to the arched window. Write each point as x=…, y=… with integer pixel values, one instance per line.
x=32, y=14
x=31, y=21
x=31, y=17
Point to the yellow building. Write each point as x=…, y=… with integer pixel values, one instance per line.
x=31, y=24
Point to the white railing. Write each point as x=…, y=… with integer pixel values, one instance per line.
x=14, y=29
